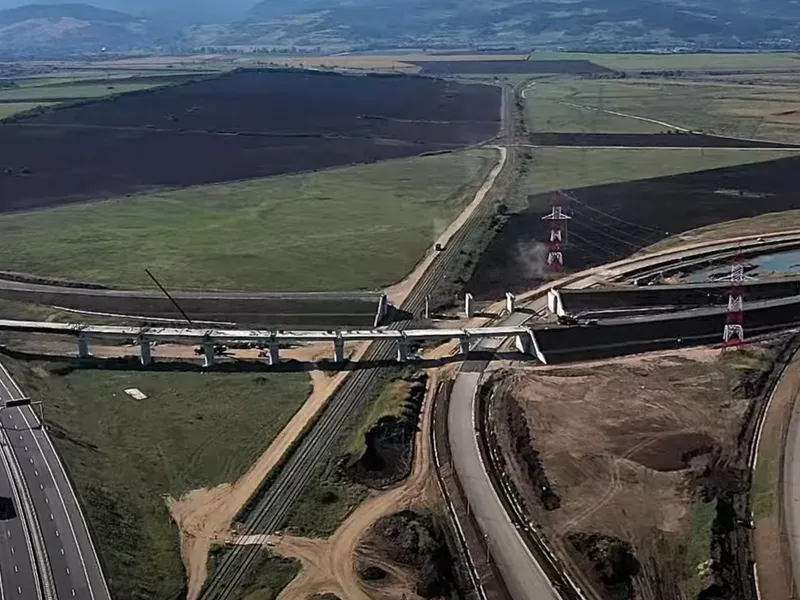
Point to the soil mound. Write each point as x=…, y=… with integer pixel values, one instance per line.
x=390, y=443
x=417, y=540
x=673, y=452
x=611, y=561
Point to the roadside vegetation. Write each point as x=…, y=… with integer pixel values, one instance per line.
x=126, y=456
x=375, y=450
x=353, y=228
x=264, y=579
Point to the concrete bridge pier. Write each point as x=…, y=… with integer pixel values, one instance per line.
x=208, y=354
x=274, y=356
x=510, y=303
x=338, y=350
x=145, y=354
x=83, y=347
x=464, y=342
x=469, y=306
x=524, y=344
x=402, y=350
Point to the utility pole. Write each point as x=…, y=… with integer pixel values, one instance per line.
x=558, y=234
x=733, y=334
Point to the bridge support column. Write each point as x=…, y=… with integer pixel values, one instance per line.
x=464, y=341
x=524, y=344
x=402, y=350
x=510, y=303
x=274, y=356
x=554, y=303
x=208, y=354
x=145, y=355
x=469, y=306
x=338, y=350
x=83, y=347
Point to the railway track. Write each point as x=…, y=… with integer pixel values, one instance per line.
x=290, y=481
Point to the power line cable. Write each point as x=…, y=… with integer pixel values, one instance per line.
x=610, y=216
x=622, y=232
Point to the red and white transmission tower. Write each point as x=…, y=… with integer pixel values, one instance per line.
x=558, y=234
x=733, y=334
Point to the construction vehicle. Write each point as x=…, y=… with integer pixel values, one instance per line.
x=567, y=319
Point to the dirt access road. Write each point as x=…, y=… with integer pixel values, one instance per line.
x=330, y=565
x=205, y=516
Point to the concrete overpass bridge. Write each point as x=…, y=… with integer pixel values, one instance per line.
x=270, y=340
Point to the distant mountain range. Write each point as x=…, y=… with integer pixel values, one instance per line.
x=350, y=25
x=574, y=24
x=45, y=29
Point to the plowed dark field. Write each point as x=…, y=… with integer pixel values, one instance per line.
x=645, y=140
x=512, y=67
x=241, y=125
x=613, y=221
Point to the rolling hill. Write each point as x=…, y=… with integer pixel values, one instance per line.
x=62, y=29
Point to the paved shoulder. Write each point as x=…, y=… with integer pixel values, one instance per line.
x=521, y=572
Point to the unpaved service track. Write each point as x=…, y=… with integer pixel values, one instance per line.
x=241, y=125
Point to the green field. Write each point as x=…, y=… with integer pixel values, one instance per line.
x=77, y=91
x=359, y=227
x=12, y=108
x=124, y=456
x=554, y=169
x=715, y=60
x=768, y=111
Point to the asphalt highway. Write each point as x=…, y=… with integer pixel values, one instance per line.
x=18, y=578
x=75, y=567
x=521, y=572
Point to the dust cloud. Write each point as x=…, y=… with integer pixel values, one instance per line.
x=531, y=258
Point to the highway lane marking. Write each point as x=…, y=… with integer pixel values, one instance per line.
x=61, y=498
x=7, y=375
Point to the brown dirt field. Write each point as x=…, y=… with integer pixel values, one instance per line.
x=286, y=121
x=675, y=204
x=204, y=516
x=330, y=565
x=620, y=440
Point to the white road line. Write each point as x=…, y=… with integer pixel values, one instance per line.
x=105, y=591
x=50, y=470
x=63, y=504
